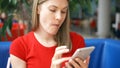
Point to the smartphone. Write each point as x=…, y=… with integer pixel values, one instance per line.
x=83, y=53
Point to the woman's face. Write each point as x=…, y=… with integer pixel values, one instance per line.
x=52, y=14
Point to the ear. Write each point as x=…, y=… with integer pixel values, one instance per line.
x=38, y=9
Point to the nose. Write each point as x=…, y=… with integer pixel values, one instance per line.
x=59, y=16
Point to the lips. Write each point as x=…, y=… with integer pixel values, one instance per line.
x=56, y=25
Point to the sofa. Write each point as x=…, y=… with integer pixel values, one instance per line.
x=105, y=55
x=4, y=54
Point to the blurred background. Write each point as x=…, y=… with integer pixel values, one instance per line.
x=90, y=18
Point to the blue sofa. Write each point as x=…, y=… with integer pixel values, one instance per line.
x=105, y=55
x=4, y=54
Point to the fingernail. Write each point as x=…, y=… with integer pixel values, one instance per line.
x=67, y=49
x=70, y=60
x=84, y=61
x=64, y=46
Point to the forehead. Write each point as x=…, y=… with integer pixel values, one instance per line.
x=57, y=3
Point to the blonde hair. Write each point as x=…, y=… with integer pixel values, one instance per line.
x=63, y=35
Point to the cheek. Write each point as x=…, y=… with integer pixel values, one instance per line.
x=45, y=17
x=42, y=18
x=63, y=19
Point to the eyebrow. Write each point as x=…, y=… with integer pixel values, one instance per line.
x=56, y=6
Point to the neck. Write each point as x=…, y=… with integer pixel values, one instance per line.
x=45, y=39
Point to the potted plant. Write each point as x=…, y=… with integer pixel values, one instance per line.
x=9, y=7
x=6, y=8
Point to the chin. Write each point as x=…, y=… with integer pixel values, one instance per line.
x=53, y=32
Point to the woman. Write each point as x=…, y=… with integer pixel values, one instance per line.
x=50, y=44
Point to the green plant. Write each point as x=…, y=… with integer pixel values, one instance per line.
x=9, y=7
x=85, y=6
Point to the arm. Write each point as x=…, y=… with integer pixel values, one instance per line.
x=17, y=62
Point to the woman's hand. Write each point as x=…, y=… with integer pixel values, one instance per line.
x=57, y=58
x=77, y=63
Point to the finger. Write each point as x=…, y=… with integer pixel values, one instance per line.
x=63, y=67
x=59, y=61
x=87, y=60
x=59, y=53
x=61, y=47
x=82, y=64
x=62, y=51
x=68, y=65
x=74, y=63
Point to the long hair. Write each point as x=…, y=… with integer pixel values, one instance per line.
x=63, y=35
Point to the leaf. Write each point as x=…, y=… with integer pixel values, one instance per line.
x=7, y=24
x=14, y=2
x=8, y=31
x=4, y=29
x=13, y=5
x=4, y=4
x=10, y=1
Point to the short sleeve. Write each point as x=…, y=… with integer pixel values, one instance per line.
x=18, y=48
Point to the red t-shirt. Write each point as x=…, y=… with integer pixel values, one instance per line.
x=35, y=54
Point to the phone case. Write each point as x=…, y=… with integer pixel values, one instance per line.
x=83, y=53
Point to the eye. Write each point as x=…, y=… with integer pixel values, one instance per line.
x=63, y=12
x=52, y=10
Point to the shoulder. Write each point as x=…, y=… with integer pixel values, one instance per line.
x=22, y=42
x=76, y=36
x=77, y=40
x=23, y=39
x=20, y=45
